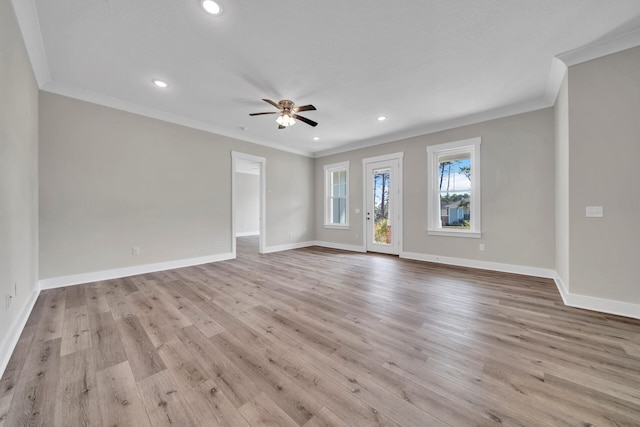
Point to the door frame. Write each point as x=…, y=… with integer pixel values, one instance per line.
x=398, y=220
x=235, y=155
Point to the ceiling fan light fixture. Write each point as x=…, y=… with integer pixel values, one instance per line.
x=285, y=120
x=211, y=7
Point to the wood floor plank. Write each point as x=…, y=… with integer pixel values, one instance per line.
x=75, y=296
x=50, y=327
x=212, y=407
x=76, y=333
x=186, y=371
x=95, y=299
x=120, y=401
x=326, y=418
x=32, y=404
x=317, y=337
x=141, y=353
x=78, y=391
x=193, y=313
x=13, y=371
x=230, y=378
x=115, y=299
x=164, y=403
x=263, y=412
x=5, y=402
x=105, y=339
x=293, y=399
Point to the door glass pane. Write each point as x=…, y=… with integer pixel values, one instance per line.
x=381, y=207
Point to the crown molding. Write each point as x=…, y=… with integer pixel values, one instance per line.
x=130, y=107
x=601, y=48
x=27, y=17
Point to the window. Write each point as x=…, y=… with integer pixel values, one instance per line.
x=336, y=190
x=454, y=188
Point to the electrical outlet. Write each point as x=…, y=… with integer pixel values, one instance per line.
x=135, y=250
x=7, y=300
x=481, y=248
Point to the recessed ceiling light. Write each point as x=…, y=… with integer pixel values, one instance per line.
x=159, y=83
x=316, y=138
x=211, y=7
x=382, y=118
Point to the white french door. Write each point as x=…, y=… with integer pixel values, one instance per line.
x=383, y=203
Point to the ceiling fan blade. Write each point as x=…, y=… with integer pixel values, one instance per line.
x=281, y=127
x=259, y=114
x=304, y=108
x=304, y=119
x=271, y=102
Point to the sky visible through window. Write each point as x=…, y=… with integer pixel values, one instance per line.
x=455, y=176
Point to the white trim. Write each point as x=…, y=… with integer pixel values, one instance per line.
x=603, y=305
x=399, y=157
x=455, y=233
x=340, y=246
x=248, y=233
x=29, y=24
x=11, y=340
x=336, y=226
x=556, y=76
x=484, y=265
x=131, y=107
x=328, y=171
x=262, y=176
x=77, y=279
x=601, y=48
x=287, y=247
x=434, y=153
x=383, y=158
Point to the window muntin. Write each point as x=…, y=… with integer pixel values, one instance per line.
x=337, y=195
x=454, y=188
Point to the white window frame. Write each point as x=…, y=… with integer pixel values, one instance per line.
x=328, y=217
x=434, y=154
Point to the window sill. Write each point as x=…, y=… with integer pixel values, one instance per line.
x=337, y=226
x=455, y=233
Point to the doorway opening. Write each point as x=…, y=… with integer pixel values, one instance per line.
x=383, y=203
x=248, y=203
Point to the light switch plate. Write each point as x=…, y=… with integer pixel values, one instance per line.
x=594, y=212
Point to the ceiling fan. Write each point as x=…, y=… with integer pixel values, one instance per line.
x=288, y=113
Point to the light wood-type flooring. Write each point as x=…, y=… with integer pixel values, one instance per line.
x=319, y=337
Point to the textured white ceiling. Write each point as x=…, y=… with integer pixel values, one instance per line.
x=425, y=64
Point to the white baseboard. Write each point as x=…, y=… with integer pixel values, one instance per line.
x=11, y=340
x=485, y=265
x=603, y=305
x=248, y=233
x=287, y=247
x=341, y=246
x=76, y=279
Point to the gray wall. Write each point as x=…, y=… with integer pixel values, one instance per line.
x=247, y=203
x=517, y=157
x=111, y=180
x=562, y=182
x=604, y=148
x=18, y=176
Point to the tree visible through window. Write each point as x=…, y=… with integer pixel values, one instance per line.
x=382, y=227
x=454, y=189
